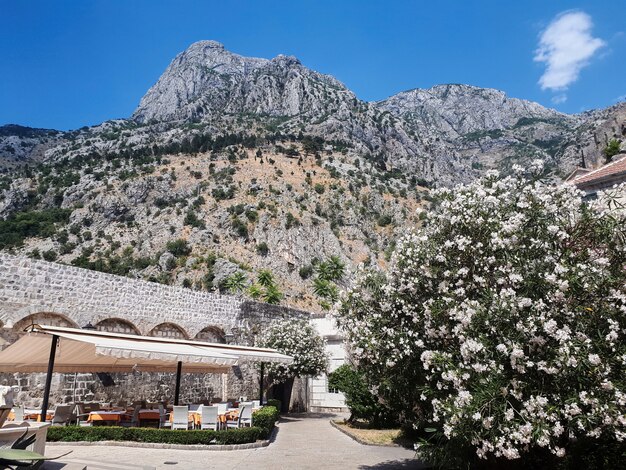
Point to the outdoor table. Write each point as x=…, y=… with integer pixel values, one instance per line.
x=31, y=415
x=102, y=415
x=195, y=417
x=146, y=414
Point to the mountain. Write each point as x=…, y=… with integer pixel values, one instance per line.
x=457, y=110
x=234, y=164
x=22, y=145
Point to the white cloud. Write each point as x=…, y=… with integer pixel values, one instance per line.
x=559, y=99
x=566, y=46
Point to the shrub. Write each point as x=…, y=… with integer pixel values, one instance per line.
x=501, y=324
x=275, y=403
x=362, y=402
x=165, y=436
x=319, y=188
x=22, y=225
x=306, y=271
x=262, y=249
x=178, y=247
x=297, y=338
x=240, y=227
x=291, y=221
x=252, y=215
x=50, y=255
x=192, y=219
x=235, y=283
x=265, y=419
x=611, y=149
x=384, y=220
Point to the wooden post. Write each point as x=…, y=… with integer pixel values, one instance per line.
x=177, y=392
x=46, y=393
x=261, y=384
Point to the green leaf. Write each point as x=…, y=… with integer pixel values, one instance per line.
x=430, y=429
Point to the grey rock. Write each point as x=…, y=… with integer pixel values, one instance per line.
x=167, y=261
x=223, y=269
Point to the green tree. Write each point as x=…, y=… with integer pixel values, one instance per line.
x=178, y=247
x=363, y=404
x=272, y=295
x=328, y=273
x=299, y=339
x=265, y=278
x=236, y=282
x=611, y=149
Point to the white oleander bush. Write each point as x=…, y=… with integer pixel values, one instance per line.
x=500, y=325
x=297, y=338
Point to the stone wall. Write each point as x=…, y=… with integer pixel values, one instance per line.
x=34, y=291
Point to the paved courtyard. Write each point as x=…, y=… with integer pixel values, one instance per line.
x=303, y=441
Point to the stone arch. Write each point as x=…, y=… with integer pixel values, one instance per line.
x=211, y=334
x=169, y=330
x=117, y=325
x=39, y=318
x=44, y=318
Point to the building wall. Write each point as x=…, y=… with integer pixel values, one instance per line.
x=34, y=291
x=320, y=397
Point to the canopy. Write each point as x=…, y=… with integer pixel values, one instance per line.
x=98, y=351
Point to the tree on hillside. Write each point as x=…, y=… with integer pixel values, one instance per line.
x=611, y=149
x=328, y=273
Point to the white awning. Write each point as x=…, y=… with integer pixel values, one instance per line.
x=98, y=351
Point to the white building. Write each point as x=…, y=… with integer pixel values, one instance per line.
x=320, y=397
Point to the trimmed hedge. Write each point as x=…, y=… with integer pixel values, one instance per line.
x=263, y=420
x=275, y=403
x=164, y=436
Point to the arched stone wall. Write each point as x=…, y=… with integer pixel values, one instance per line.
x=41, y=318
x=211, y=334
x=117, y=325
x=49, y=293
x=168, y=330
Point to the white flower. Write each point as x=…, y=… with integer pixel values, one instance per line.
x=594, y=359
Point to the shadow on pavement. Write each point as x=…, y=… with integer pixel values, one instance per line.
x=310, y=415
x=53, y=465
x=404, y=464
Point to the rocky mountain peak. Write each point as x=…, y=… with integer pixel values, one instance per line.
x=458, y=109
x=210, y=44
x=286, y=60
x=207, y=82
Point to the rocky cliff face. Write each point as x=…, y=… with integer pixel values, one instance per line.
x=257, y=163
x=206, y=81
x=456, y=110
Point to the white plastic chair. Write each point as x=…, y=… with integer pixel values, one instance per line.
x=181, y=417
x=221, y=408
x=245, y=416
x=209, y=418
x=163, y=421
x=256, y=403
x=237, y=423
x=18, y=412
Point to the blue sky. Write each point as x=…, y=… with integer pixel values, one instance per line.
x=67, y=64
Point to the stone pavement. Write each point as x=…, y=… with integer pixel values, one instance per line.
x=303, y=441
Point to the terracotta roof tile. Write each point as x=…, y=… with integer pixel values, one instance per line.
x=614, y=168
